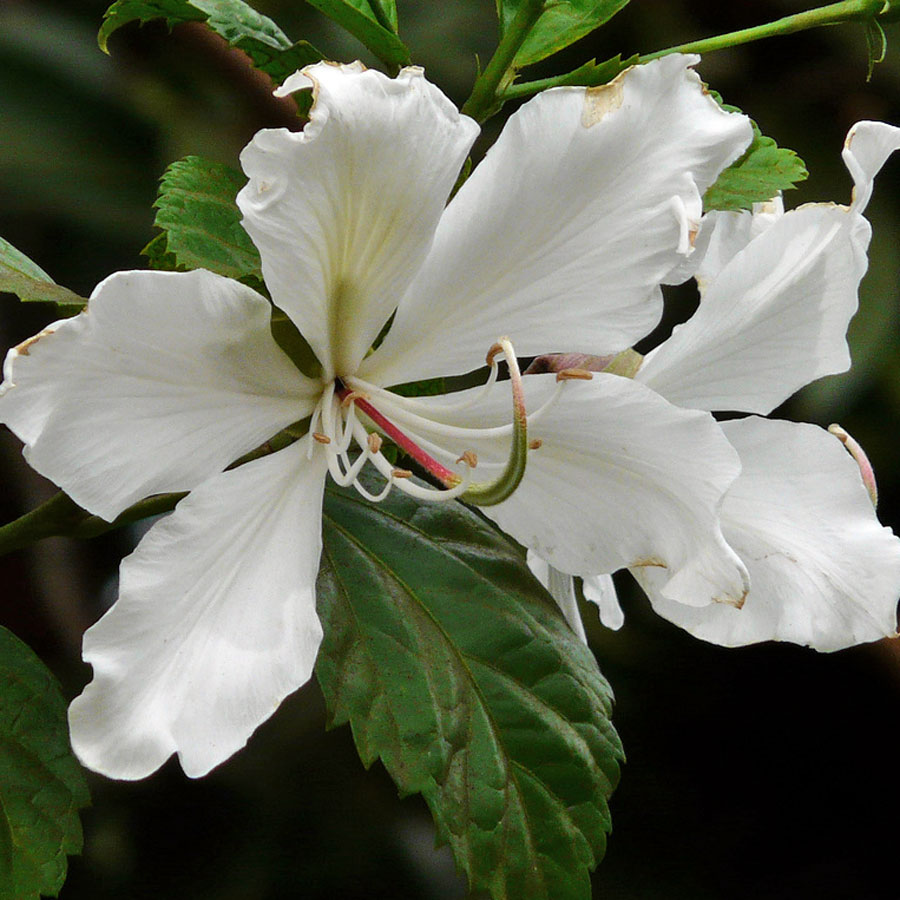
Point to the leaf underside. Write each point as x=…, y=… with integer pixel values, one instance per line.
x=42, y=786
x=28, y=281
x=269, y=48
x=454, y=667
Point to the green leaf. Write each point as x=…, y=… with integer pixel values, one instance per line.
x=360, y=18
x=42, y=787
x=386, y=13
x=454, y=667
x=758, y=175
x=28, y=281
x=876, y=46
x=561, y=24
x=243, y=27
x=201, y=222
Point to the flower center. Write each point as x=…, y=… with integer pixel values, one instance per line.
x=353, y=418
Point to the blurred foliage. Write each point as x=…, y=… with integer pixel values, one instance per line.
x=760, y=772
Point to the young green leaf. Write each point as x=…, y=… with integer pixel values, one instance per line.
x=373, y=23
x=243, y=27
x=28, y=281
x=42, y=787
x=454, y=667
x=201, y=223
x=758, y=175
x=562, y=23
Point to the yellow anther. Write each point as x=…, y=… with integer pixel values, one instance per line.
x=401, y=473
x=321, y=438
x=347, y=399
x=536, y=444
x=469, y=458
x=374, y=442
x=574, y=374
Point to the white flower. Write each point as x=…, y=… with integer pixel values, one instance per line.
x=560, y=238
x=777, y=293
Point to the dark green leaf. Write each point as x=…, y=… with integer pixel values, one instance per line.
x=454, y=667
x=361, y=20
x=201, y=222
x=243, y=27
x=42, y=786
x=561, y=24
x=28, y=281
x=759, y=174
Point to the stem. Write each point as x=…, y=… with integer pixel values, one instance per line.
x=60, y=516
x=485, y=96
x=832, y=14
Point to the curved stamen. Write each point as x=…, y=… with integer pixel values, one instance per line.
x=865, y=467
x=489, y=493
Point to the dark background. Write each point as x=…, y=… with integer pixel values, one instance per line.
x=763, y=772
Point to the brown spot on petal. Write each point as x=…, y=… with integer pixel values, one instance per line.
x=642, y=561
x=23, y=348
x=731, y=601
x=600, y=101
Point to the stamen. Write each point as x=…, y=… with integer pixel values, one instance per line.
x=429, y=495
x=401, y=473
x=470, y=458
x=321, y=438
x=494, y=351
x=350, y=396
x=492, y=492
x=857, y=452
x=429, y=463
x=536, y=444
x=374, y=442
x=570, y=374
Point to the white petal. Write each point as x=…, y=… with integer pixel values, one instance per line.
x=724, y=234
x=866, y=149
x=601, y=590
x=823, y=571
x=561, y=588
x=562, y=235
x=344, y=212
x=215, y=623
x=622, y=478
x=774, y=319
x=778, y=294
x=166, y=378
